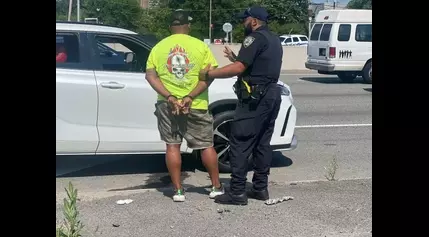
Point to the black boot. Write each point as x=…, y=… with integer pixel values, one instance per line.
x=259, y=195
x=231, y=199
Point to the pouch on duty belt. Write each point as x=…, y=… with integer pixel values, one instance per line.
x=245, y=91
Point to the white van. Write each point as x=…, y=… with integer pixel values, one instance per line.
x=341, y=44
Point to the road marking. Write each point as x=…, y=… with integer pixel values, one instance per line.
x=300, y=74
x=334, y=125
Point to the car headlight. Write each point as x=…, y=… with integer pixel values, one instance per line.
x=284, y=91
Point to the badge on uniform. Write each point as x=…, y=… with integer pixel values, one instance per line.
x=248, y=41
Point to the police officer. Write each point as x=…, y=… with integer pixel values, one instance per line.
x=257, y=66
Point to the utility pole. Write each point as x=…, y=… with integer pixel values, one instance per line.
x=78, y=10
x=210, y=21
x=70, y=9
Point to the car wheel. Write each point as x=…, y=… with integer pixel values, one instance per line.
x=221, y=134
x=367, y=73
x=347, y=76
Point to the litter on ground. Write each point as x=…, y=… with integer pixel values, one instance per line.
x=278, y=200
x=122, y=202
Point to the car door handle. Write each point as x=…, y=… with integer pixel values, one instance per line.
x=112, y=85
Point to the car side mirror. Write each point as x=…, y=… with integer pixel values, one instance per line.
x=129, y=57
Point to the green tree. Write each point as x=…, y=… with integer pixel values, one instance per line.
x=287, y=16
x=62, y=9
x=155, y=21
x=120, y=13
x=360, y=4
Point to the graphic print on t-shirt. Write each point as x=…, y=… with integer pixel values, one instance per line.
x=178, y=62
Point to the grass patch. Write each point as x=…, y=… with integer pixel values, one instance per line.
x=71, y=226
x=331, y=170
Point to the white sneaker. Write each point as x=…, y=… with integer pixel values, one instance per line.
x=216, y=191
x=179, y=195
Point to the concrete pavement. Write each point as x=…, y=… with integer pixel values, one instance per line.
x=337, y=208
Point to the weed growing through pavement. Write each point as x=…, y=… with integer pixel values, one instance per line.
x=72, y=226
x=331, y=170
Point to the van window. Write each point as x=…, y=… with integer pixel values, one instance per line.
x=344, y=32
x=288, y=40
x=326, y=32
x=363, y=33
x=295, y=39
x=315, y=32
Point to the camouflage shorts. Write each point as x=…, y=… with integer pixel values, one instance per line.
x=196, y=127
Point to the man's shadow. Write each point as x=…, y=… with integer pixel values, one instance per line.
x=162, y=182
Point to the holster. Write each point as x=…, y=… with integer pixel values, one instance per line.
x=244, y=91
x=241, y=91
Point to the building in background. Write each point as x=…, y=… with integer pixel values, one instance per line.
x=145, y=4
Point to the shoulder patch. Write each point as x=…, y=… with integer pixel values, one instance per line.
x=248, y=41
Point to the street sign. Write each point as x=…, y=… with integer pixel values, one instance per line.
x=227, y=27
x=217, y=41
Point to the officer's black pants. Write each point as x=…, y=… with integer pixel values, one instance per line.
x=251, y=132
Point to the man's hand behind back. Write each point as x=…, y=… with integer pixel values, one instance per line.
x=186, y=104
x=174, y=105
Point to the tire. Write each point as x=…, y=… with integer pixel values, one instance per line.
x=347, y=76
x=221, y=129
x=367, y=73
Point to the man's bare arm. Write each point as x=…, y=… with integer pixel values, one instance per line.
x=155, y=83
x=230, y=70
x=201, y=86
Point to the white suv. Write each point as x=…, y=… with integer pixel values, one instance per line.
x=294, y=40
x=105, y=105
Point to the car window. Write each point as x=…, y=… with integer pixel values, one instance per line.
x=326, y=32
x=67, y=48
x=295, y=39
x=281, y=39
x=288, y=40
x=303, y=38
x=121, y=54
x=344, y=32
x=315, y=32
x=363, y=33
x=105, y=49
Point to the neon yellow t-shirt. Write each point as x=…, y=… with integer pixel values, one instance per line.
x=178, y=60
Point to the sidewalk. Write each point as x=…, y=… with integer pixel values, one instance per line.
x=338, y=208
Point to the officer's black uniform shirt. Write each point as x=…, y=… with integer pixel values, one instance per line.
x=261, y=53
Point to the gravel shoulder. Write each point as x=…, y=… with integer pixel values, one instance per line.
x=336, y=208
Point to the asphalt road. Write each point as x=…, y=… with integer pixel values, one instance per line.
x=334, y=122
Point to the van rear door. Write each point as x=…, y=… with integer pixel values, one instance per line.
x=318, y=46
